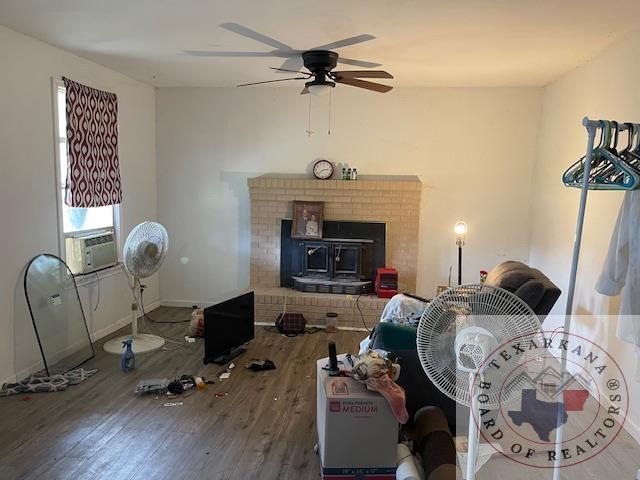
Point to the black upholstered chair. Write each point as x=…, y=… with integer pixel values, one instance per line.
x=529, y=284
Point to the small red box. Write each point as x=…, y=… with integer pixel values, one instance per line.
x=386, y=282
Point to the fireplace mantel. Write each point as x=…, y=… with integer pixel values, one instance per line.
x=394, y=200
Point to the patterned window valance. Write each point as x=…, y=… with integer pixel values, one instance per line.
x=93, y=174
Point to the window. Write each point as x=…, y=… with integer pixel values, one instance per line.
x=73, y=221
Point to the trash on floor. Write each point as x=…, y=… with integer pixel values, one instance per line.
x=189, y=339
x=39, y=383
x=227, y=373
x=173, y=404
x=196, y=325
x=175, y=388
x=152, y=385
x=221, y=394
x=181, y=385
x=260, y=365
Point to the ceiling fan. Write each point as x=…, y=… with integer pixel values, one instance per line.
x=319, y=61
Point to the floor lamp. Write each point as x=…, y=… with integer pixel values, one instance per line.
x=461, y=230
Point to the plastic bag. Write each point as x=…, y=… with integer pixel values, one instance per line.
x=196, y=326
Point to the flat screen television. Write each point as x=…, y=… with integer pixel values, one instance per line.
x=227, y=327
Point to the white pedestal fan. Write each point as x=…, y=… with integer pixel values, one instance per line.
x=144, y=251
x=458, y=331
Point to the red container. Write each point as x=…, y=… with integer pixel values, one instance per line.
x=386, y=282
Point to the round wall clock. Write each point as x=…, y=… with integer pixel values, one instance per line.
x=323, y=169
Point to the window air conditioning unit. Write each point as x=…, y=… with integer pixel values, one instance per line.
x=88, y=252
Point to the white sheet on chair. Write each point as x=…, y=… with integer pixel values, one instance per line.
x=403, y=310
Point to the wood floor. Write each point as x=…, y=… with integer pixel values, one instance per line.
x=263, y=429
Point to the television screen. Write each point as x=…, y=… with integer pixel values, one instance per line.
x=227, y=326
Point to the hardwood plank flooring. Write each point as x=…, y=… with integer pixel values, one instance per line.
x=263, y=429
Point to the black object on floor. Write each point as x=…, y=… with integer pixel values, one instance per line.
x=261, y=365
x=227, y=327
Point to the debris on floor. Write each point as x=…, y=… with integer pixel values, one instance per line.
x=152, y=385
x=260, y=365
x=221, y=394
x=173, y=404
x=227, y=373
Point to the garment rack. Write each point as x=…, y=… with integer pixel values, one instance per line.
x=592, y=127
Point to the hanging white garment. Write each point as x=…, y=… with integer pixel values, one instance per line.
x=622, y=268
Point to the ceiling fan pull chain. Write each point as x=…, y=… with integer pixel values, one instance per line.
x=309, y=132
x=329, y=129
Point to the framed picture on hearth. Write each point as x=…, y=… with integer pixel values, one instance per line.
x=307, y=220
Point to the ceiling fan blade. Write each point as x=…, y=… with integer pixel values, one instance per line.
x=271, y=81
x=213, y=53
x=292, y=63
x=358, y=63
x=346, y=42
x=362, y=74
x=354, y=82
x=304, y=91
x=291, y=71
x=247, y=32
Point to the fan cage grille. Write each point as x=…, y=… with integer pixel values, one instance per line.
x=500, y=312
x=146, y=232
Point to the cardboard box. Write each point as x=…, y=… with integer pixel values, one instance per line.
x=357, y=431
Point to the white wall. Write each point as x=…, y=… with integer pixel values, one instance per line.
x=28, y=187
x=472, y=148
x=605, y=88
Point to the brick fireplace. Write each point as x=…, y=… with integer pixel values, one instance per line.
x=392, y=200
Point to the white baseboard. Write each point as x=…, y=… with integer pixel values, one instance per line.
x=632, y=429
x=629, y=426
x=108, y=330
x=186, y=303
x=95, y=336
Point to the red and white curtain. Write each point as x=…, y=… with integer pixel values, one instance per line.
x=93, y=174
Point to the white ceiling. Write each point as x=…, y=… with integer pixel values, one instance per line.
x=421, y=42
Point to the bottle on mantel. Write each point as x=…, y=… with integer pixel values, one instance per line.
x=348, y=174
x=354, y=174
x=344, y=174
